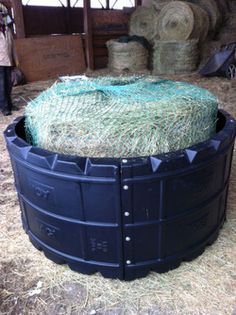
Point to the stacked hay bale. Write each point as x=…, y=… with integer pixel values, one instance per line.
x=181, y=27
x=224, y=8
x=228, y=32
x=146, y=3
x=159, y=4
x=127, y=57
x=179, y=20
x=144, y=22
x=133, y=56
x=176, y=29
x=215, y=16
x=175, y=56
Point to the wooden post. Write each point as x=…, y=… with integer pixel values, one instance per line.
x=19, y=18
x=88, y=35
x=68, y=19
x=138, y=2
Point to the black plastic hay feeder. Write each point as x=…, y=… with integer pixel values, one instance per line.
x=126, y=217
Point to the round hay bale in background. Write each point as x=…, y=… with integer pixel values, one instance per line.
x=227, y=33
x=127, y=57
x=201, y=22
x=144, y=22
x=224, y=7
x=147, y=3
x=159, y=4
x=179, y=20
x=231, y=23
x=213, y=11
x=174, y=57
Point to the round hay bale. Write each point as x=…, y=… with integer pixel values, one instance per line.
x=231, y=23
x=127, y=57
x=120, y=117
x=175, y=57
x=224, y=7
x=146, y=3
x=179, y=20
x=159, y=4
x=201, y=22
x=144, y=22
x=213, y=11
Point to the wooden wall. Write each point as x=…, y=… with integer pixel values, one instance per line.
x=49, y=57
x=43, y=56
x=106, y=24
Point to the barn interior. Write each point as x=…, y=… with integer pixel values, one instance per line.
x=70, y=39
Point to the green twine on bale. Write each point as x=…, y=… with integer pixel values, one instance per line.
x=120, y=117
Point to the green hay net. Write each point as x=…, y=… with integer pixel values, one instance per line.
x=120, y=116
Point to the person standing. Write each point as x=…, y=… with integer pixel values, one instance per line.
x=8, y=59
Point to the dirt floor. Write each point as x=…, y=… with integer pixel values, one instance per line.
x=31, y=284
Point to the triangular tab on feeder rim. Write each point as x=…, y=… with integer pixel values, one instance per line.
x=155, y=163
x=191, y=154
x=51, y=160
x=25, y=151
x=216, y=144
x=88, y=166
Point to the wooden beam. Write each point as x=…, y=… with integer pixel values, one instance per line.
x=19, y=18
x=68, y=17
x=88, y=35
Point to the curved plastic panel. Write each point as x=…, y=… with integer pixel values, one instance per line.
x=123, y=217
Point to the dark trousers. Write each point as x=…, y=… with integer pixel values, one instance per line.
x=5, y=88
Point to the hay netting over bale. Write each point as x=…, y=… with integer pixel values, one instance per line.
x=120, y=117
x=131, y=56
x=144, y=22
x=180, y=20
x=175, y=57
